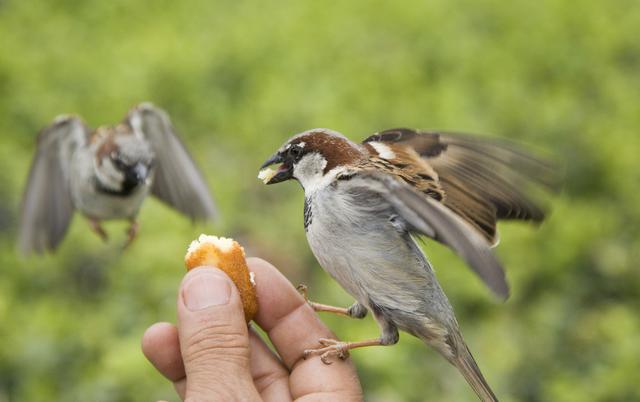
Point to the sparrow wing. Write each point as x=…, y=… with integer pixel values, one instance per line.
x=177, y=180
x=429, y=217
x=47, y=207
x=484, y=180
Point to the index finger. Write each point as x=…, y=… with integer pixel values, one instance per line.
x=293, y=326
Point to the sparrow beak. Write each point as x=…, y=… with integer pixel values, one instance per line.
x=270, y=176
x=138, y=173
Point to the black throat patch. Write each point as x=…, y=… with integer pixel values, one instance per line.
x=127, y=188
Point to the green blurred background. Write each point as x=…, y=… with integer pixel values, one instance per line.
x=239, y=77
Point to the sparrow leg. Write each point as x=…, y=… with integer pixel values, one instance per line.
x=340, y=349
x=96, y=226
x=132, y=232
x=356, y=310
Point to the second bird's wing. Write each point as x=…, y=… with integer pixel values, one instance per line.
x=47, y=207
x=177, y=180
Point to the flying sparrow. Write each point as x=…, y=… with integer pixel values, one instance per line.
x=364, y=203
x=106, y=174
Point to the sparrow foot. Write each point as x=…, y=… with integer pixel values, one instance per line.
x=340, y=349
x=303, y=290
x=96, y=227
x=132, y=233
x=330, y=347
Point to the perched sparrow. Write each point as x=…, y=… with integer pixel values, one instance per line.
x=365, y=202
x=106, y=174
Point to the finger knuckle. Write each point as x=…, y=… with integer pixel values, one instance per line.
x=223, y=341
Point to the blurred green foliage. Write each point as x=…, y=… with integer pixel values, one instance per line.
x=239, y=77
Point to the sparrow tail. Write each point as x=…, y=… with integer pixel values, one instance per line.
x=469, y=369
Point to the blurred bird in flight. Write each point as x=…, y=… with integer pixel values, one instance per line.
x=106, y=174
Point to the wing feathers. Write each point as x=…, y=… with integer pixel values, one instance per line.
x=47, y=208
x=177, y=180
x=431, y=218
x=484, y=180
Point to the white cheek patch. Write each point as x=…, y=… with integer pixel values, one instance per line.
x=310, y=171
x=383, y=150
x=109, y=176
x=311, y=165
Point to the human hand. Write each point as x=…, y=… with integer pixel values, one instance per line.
x=213, y=355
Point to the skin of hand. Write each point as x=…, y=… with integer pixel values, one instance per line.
x=212, y=355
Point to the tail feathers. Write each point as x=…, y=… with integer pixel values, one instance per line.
x=469, y=369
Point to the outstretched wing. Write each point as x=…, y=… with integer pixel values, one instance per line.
x=46, y=206
x=427, y=216
x=484, y=180
x=177, y=180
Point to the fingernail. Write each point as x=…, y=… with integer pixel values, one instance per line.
x=204, y=290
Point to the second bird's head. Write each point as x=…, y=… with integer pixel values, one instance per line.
x=123, y=163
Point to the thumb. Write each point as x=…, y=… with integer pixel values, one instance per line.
x=214, y=340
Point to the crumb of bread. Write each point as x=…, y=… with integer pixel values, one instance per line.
x=252, y=278
x=223, y=243
x=266, y=174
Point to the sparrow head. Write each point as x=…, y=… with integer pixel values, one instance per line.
x=312, y=157
x=123, y=161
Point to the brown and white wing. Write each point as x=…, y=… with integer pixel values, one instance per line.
x=427, y=216
x=484, y=179
x=177, y=180
x=47, y=207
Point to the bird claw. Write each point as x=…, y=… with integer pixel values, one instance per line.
x=303, y=290
x=96, y=227
x=132, y=233
x=330, y=348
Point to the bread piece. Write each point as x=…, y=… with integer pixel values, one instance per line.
x=266, y=174
x=227, y=255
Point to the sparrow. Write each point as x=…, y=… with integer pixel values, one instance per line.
x=366, y=204
x=106, y=174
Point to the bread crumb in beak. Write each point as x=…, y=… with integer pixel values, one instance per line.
x=266, y=174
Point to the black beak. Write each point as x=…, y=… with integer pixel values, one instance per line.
x=134, y=176
x=141, y=171
x=284, y=172
x=137, y=173
x=276, y=158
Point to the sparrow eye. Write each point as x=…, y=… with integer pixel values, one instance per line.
x=295, y=152
x=117, y=161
